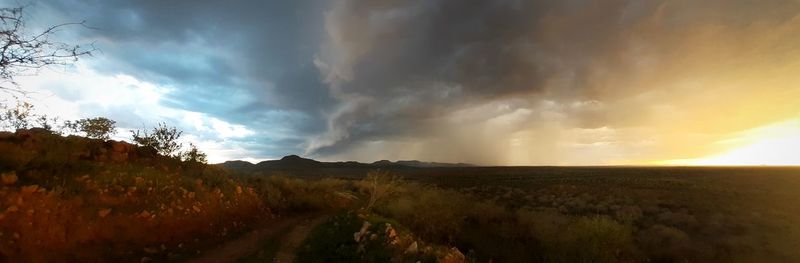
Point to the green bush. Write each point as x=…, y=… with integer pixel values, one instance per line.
x=299, y=195
x=591, y=239
x=434, y=214
x=96, y=128
x=333, y=241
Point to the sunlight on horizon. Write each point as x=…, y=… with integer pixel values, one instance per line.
x=766, y=145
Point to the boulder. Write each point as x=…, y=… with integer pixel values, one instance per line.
x=119, y=151
x=9, y=178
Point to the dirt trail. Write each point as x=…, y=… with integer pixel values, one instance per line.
x=295, y=238
x=249, y=243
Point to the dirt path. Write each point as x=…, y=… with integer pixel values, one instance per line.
x=295, y=238
x=249, y=243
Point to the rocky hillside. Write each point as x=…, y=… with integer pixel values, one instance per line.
x=84, y=200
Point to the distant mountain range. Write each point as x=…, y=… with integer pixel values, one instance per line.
x=294, y=162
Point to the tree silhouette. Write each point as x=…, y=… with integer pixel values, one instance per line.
x=163, y=138
x=22, y=52
x=96, y=128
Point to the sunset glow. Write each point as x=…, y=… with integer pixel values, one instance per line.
x=776, y=144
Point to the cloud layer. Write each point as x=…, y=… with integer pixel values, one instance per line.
x=565, y=82
x=488, y=82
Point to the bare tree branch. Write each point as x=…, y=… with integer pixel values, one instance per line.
x=21, y=52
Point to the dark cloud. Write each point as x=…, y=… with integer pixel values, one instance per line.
x=233, y=61
x=503, y=81
x=397, y=66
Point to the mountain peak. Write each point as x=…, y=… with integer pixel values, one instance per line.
x=292, y=157
x=383, y=162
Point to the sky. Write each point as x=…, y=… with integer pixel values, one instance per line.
x=504, y=82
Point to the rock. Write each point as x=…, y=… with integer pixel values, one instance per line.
x=453, y=256
x=103, y=213
x=120, y=151
x=9, y=178
x=144, y=214
x=391, y=235
x=119, y=146
x=29, y=189
x=413, y=248
x=145, y=260
x=361, y=233
x=150, y=250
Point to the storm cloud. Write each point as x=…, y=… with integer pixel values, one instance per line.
x=453, y=79
x=248, y=63
x=488, y=82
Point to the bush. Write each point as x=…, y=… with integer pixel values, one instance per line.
x=163, y=138
x=18, y=117
x=333, y=241
x=298, y=195
x=95, y=128
x=193, y=155
x=433, y=214
x=666, y=244
x=376, y=186
x=592, y=239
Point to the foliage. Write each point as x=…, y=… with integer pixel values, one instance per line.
x=163, y=138
x=495, y=232
x=350, y=237
x=193, y=155
x=332, y=241
x=96, y=128
x=591, y=239
x=22, y=51
x=47, y=123
x=651, y=214
x=18, y=117
x=22, y=116
x=378, y=185
x=298, y=195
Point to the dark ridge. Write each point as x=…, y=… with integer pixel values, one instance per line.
x=293, y=163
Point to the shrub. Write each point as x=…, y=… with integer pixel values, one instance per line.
x=298, y=195
x=96, y=128
x=378, y=185
x=434, y=214
x=163, y=138
x=592, y=239
x=193, y=155
x=18, y=117
x=667, y=244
